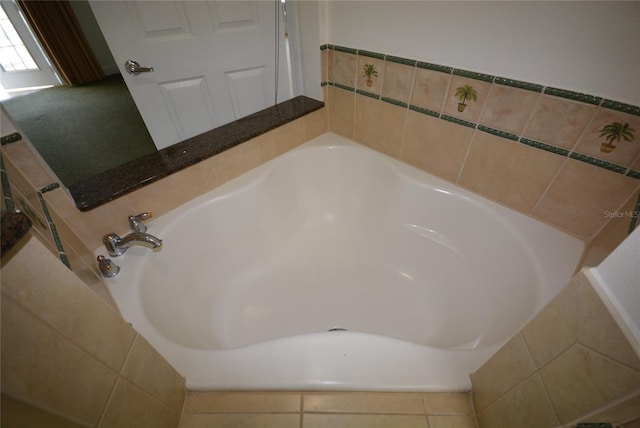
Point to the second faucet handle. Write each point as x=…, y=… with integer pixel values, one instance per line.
x=135, y=221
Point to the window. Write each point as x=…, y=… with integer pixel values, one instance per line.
x=14, y=55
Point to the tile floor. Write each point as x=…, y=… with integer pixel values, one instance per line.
x=328, y=409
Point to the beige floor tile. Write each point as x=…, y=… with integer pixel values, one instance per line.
x=242, y=402
x=364, y=421
x=453, y=421
x=198, y=420
x=442, y=403
x=398, y=403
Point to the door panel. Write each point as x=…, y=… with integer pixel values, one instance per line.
x=214, y=61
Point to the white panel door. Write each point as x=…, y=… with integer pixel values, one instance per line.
x=213, y=61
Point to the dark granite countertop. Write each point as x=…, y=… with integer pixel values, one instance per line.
x=15, y=226
x=116, y=182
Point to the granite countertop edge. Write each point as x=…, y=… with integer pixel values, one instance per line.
x=114, y=183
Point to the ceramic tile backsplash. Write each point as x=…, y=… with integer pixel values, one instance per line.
x=521, y=141
x=68, y=353
x=583, y=367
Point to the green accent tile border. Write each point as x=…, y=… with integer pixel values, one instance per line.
x=543, y=146
x=400, y=60
x=473, y=75
x=625, y=108
x=458, y=121
x=345, y=87
x=597, y=162
x=324, y=47
x=394, y=102
x=575, y=96
x=50, y=187
x=518, y=84
x=11, y=138
x=323, y=84
x=498, y=133
x=53, y=231
x=6, y=188
x=345, y=49
x=424, y=111
x=633, y=174
x=370, y=54
x=434, y=67
x=367, y=94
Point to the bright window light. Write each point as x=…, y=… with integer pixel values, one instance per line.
x=14, y=55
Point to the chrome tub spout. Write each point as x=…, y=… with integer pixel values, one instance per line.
x=117, y=246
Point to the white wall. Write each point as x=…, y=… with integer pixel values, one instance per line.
x=589, y=47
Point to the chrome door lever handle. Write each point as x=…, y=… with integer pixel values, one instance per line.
x=134, y=68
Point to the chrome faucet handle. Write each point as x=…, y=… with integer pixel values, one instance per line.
x=135, y=221
x=108, y=269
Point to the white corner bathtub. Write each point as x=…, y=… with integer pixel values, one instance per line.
x=419, y=280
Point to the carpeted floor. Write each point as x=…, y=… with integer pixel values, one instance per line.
x=82, y=130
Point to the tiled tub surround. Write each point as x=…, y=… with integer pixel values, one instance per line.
x=69, y=359
x=81, y=232
x=571, y=363
x=533, y=148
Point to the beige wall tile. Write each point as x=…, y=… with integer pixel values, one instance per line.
x=442, y=403
x=558, y=121
x=242, y=402
x=398, y=81
x=473, y=110
x=23, y=157
x=341, y=111
x=625, y=151
x=379, y=125
x=130, y=406
x=315, y=124
x=150, y=371
x=344, y=69
x=635, y=165
x=57, y=297
x=239, y=420
x=231, y=163
x=507, y=368
x=19, y=414
x=281, y=140
x=555, y=328
x=509, y=172
x=509, y=108
x=608, y=238
x=364, y=421
x=453, y=421
x=581, y=194
x=376, y=81
x=436, y=146
x=324, y=65
x=619, y=413
x=42, y=367
x=429, y=89
x=161, y=196
x=91, y=226
x=525, y=406
x=580, y=380
x=364, y=402
x=600, y=332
